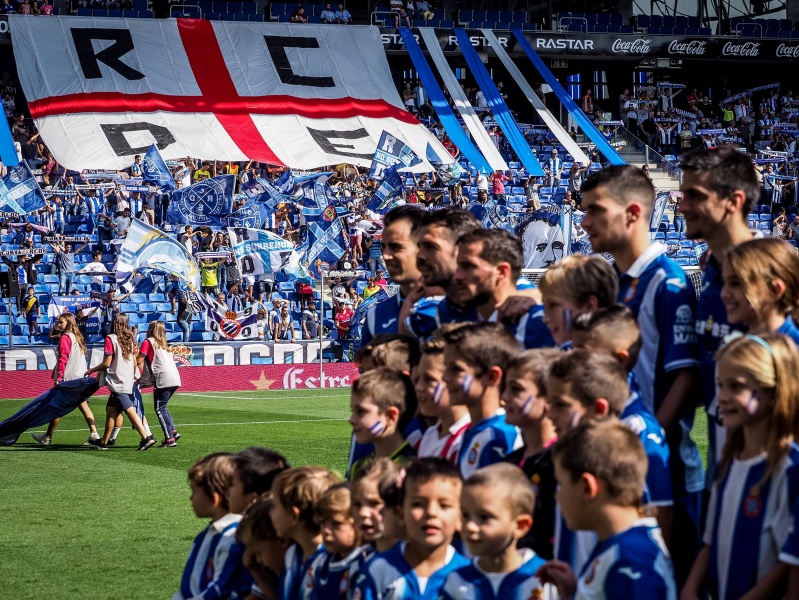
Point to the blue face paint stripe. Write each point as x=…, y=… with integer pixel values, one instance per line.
x=466, y=384
x=438, y=392
x=527, y=404
x=376, y=428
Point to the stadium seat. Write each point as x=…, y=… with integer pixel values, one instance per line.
x=241, y=17
x=656, y=21
x=146, y=14
x=519, y=16
x=249, y=7
x=235, y=7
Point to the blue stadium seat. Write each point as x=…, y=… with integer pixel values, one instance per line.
x=616, y=19
x=681, y=21
x=656, y=21
x=666, y=30
x=502, y=26
x=506, y=16
x=643, y=21
x=519, y=16
x=669, y=21
x=130, y=14
x=241, y=17
x=694, y=22
x=446, y=24
x=84, y=12
x=146, y=14
x=600, y=28
x=529, y=27
x=249, y=7
x=116, y=13
x=234, y=7
x=219, y=6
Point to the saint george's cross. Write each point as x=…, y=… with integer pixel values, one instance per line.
x=298, y=96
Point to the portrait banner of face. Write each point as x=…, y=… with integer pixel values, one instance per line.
x=542, y=240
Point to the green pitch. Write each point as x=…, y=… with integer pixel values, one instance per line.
x=82, y=523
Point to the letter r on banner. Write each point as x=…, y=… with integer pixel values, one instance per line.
x=89, y=58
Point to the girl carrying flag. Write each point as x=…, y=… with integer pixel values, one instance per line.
x=155, y=355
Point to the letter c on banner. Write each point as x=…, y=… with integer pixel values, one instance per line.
x=277, y=44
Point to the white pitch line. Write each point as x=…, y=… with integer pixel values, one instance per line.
x=278, y=397
x=236, y=423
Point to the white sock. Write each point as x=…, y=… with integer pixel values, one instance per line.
x=94, y=436
x=115, y=432
x=147, y=430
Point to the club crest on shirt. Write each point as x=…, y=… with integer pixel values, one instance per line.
x=209, y=570
x=536, y=594
x=592, y=573
x=535, y=481
x=344, y=585
x=631, y=290
x=471, y=458
x=752, y=506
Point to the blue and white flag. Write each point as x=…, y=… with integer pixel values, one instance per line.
x=227, y=324
x=661, y=200
x=19, y=190
x=390, y=186
x=154, y=169
x=260, y=252
x=391, y=151
x=253, y=215
x=326, y=240
x=64, y=304
x=360, y=312
x=285, y=183
x=203, y=203
x=146, y=247
x=542, y=238
x=264, y=193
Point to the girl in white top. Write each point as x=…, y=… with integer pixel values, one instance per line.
x=70, y=364
x=166, y=379
x=120, y=368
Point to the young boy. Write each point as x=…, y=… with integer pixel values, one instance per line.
x=379, y=399
x=265, y=551
x=330, y=573
x=255, y=470
x=497, y=506
x=614, y=331
x=444, y=438
x=295, y=493
x=525, y=402
x=431, y=511
x=475, y=358
x=600, y=467
x=214, y=567
x=32, y=311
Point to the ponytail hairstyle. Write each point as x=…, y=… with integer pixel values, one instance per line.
x=771, y=361
x=71, y=326
x=758, y=264
x=121, y=328
x=157, y=331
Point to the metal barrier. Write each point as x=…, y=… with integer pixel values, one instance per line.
x=185, y=11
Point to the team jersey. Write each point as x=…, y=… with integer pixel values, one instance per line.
x=444, y=447
x=746, y=527
x=413, y=435
x=572, y=547
x=330, y=579
x=290, y=583
x=470, y=582
x=630, y=565
x=401, y=455
x=662, y=298
x=383, y=317
x=790, y=329
x=657, y=488
x=214, y=568
x=429, y=314
x=388, y=576
x=487, y=442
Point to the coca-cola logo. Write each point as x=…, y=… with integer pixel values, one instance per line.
x=746, y=49
x=787, y=51
x=693, y=48
x=638, y=46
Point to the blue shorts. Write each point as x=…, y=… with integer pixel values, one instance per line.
x=121, y=402
x=32, y=319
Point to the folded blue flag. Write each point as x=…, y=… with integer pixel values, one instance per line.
x=154, y=169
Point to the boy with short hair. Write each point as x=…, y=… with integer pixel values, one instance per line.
x=475, y=358
x=214, y=567
x=444, y=438
x=497, y=505
x=265, y=551
x=295, y=493
x=379, y=399
x=396, y=351
x=600, y=467
x=255, y=470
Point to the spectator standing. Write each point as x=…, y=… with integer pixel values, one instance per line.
x=576, y=176
x=65, y=263
x=96, y=266
x=136, y=168
x=587, y=103
x=371, y=287
x=343, y=320
x=46, y=9
x=184, y=311
x=285, y=327
x=553, y=169
x=498, y=180
x=310, y=321
x=32, y=311
x=408, y=96
x=122, y=224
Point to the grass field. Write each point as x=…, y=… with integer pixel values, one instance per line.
x=78, y=523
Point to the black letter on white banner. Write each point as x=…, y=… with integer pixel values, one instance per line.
x=324, y=137
x=116, y=137
x=277, y=49
x=89, y=59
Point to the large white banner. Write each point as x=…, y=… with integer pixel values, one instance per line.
x=102, y=90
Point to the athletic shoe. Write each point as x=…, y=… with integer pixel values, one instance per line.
x=146, y=443
x=175, y=435
x=92, y=436
x=97, y=443
x=112, y=442
x=41, y=438
x=170, y=443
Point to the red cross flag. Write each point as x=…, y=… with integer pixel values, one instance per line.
x=304, y=96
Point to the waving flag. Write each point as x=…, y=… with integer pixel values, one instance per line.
x=264, y=193
x=326, y=240
x=154, y=169
x=101, y=92
x=147, y=247
x=230, y=325
x=19, y=190
x=253, y=215
x=389, y=187
x=285, y=183
x=203, y=203
x=391, y=151
x=360, y=312
x=258, y=252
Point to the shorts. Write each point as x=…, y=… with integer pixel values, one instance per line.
x=355, y=239
x=264, y=287
x=120, y=402
x=31, y=319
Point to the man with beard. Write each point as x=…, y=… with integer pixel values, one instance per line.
x=619, y=201
x=401, y=225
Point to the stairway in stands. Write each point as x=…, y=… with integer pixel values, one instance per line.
x=661, y=178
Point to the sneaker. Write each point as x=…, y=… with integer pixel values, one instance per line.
x=97, y=443
x=92, y=436
x=170, y=443
x=112, y=442
x=41, y=438
x=146, y=443
x=175, y=435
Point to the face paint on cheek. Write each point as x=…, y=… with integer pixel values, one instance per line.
x=376, y=428
x=574, y=419
x=466, y=384
x=527, y=405
x=438, y=392
x=752, y=404
x=567, y=320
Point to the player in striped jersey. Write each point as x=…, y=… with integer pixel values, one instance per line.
x=497, y=505
x=751, y=503
x=600, y=467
